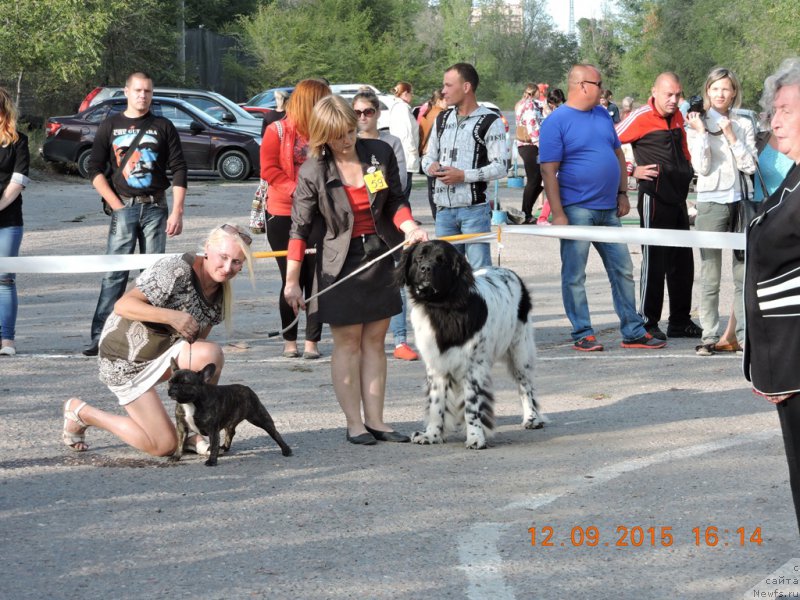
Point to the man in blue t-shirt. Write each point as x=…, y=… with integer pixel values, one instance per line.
x=585, y=179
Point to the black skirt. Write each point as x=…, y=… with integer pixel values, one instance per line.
x=372, y=295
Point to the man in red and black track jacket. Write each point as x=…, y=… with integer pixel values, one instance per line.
x=664, y=171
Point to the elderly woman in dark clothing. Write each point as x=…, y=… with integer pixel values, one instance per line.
x=355, y=187
x=771, y=288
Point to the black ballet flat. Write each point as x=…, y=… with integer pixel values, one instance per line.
x=388, y=436
x=364, y=439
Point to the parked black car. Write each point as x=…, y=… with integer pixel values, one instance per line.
x=208, y=144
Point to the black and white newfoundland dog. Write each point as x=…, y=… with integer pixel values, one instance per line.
x=463, y=323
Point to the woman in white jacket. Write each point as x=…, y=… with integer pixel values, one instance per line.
x=722, y=146
x=403, y=125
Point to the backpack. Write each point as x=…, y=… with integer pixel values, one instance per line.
x=478, y=132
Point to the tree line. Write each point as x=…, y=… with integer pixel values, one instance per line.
x=54, y=51
x=690, y=37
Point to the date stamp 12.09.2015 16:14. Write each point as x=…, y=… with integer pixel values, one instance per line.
x=636, y=536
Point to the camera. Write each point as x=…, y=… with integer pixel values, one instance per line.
x=696, y=105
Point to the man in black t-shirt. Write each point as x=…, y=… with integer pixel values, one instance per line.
x=138, y=197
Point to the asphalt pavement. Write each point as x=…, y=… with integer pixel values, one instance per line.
x=660, y=475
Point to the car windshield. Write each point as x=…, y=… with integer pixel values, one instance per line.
x=227, y=105
x=95, y=115
x=262, y=99
x=180, y=117
x=266, y=99
x=256, y=99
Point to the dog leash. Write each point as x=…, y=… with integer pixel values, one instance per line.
x=447, y=238
x=379, y=258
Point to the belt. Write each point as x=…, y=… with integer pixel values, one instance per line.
x=442, y=207
x=146, y=199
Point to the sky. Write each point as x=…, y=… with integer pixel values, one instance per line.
x=559, y=10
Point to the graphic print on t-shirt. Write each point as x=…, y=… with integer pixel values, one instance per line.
x=138, y=172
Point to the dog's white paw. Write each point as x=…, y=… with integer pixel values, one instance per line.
x=475, y=443
x=534, y=423
x=418, y=437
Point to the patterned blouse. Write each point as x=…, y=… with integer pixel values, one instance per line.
x=529, y=114
x=126, y=346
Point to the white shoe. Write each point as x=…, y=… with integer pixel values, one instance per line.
x=7, y=351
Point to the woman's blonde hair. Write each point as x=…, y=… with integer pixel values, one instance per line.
x=530, y=90
x=715, y=75
x=8, y=119
x=305, y=95
x=332, y=119
x=215, y=239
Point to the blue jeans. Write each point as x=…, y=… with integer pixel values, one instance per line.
x=618, y=265
x=10, y=240
x=467, y=219
x=143, y=223
x=397, y=325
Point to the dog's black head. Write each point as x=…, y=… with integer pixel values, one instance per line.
x=435, y=271
x=186, y=386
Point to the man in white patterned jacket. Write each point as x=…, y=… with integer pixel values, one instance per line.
x=466, y=149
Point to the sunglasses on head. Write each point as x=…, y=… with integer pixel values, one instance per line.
x=367, y=112
x=236, y=231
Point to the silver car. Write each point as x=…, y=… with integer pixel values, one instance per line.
x=215, y=105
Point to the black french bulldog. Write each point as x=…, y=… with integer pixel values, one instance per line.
x=206, y=408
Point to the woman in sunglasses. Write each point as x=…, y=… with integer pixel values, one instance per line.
x=168, y=314
x=354, y=186
x=367, y=108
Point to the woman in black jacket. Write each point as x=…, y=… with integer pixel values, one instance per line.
x=354, y=187
x=14, y=161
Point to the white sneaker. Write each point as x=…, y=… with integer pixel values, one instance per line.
x=7, y=351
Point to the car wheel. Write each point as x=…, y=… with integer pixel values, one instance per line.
x=234, y=165
x=83, y=162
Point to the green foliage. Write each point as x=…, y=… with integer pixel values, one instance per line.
x=690, y=37
x=215, y=14
x=600, y=45
x=287, y=49
x=383, y=41
x=48, y=43
x=140, y=36
x=53, y=51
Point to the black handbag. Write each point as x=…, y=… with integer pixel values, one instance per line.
x=128, y=153
x=744, y=211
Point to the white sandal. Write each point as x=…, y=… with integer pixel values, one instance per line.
x=72, y=439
